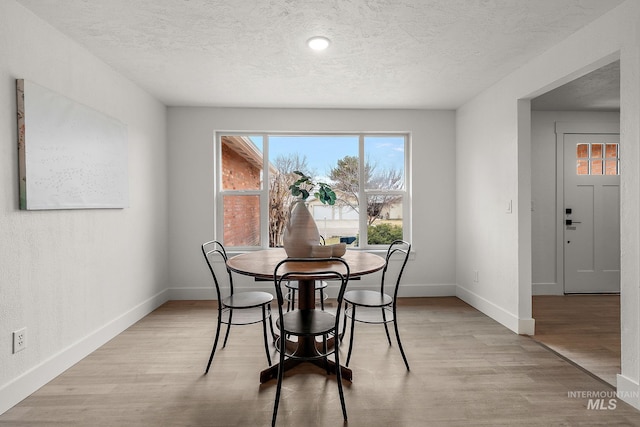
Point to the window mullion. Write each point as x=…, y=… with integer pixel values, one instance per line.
x=362, y=195
x=217, y=185
x=264, y=193
x=406, y=203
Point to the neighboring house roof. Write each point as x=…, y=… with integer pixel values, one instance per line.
x=247, y=150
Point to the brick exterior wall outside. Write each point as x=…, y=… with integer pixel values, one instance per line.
x=241, y=213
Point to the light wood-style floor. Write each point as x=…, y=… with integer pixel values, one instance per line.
x=466, y=370
x=583, y=328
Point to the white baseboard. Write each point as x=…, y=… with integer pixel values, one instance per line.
x=406, y=290
x=517, y=325
x=628, y=391
x=204, y=293
x=24, y=385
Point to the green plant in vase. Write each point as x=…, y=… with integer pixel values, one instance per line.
x=301, y=237
x=304, y=185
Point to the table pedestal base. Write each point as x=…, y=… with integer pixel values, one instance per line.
x=271, y=373
x=307, y=347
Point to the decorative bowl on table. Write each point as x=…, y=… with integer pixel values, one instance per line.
x=338, y=249
x=328, y=251
x=321, y=251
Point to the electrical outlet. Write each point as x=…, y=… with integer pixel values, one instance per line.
x=19, y=340
x=476, y=276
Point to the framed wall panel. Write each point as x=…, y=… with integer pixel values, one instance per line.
x=70, y=156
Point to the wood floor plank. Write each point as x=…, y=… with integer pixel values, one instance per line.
x=466, y=369
x=583, y=328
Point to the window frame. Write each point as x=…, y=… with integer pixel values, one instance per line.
x=263, y=192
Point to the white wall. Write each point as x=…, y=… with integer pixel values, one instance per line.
x=487, y=171
x=543, y=193
x=191, y=169
x=74, y=278
x=490, y=128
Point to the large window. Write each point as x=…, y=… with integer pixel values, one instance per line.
x=368, y=173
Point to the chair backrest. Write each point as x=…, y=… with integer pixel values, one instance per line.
x=212, y=250
x=400, y=249
x=291, y=269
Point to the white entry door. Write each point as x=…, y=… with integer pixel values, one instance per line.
x=592, y=213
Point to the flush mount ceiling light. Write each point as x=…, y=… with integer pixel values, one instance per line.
x=318, y=43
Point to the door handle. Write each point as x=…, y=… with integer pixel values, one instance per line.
x=571, y=222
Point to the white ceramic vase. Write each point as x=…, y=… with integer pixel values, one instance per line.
x=301, y=232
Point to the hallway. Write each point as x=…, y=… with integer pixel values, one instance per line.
x=582, y=328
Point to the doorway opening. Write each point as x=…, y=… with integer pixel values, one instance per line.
x=583, y=328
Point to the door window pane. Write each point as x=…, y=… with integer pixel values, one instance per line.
x=582, y=151
x=612, y=167
x=596, y=167
x=612, y=162
x=583, y=167
x=596, y=151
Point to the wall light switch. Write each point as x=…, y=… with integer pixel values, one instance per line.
x=510, y=206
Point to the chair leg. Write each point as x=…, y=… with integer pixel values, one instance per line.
x=273, y=334
x=226, y=336
x=353, y=322
x=384, y=320
x=395, y=324
x=324, y=351
x=264, y=330
x=293, y=299
x=215, y=343
x=280, y=377
x=339, y=378
x=322, y=299
x=344, y=321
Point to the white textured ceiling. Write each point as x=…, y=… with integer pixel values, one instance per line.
x=252, y=53
x=597, y=91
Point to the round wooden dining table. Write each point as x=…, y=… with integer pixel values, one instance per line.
x=261, y=265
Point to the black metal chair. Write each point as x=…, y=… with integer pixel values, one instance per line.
x=246, y=301
x=293, y=287
x=371, y=301
x=307, y=324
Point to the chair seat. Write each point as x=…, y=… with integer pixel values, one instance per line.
x=247, y=299
x=242, y=316
x=306, y=322
x=375, y=315
x=368, y=298
x=319, y=284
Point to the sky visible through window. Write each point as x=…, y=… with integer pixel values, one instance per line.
x=323, y=151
